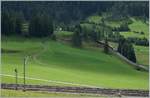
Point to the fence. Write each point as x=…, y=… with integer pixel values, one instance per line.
x=137, y=66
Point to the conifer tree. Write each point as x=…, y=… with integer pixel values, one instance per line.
x=77, y=39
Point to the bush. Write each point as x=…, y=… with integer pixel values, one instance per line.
x=139, y=41
x=53, y=37
x=135, y=32
x=94, y=36
x=142, y=33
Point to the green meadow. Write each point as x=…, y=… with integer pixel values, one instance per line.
x=66, y=65
x=142, y=54
x=139, y=26
x=127, y=34
x=94, y=18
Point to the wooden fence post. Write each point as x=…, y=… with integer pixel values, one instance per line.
x=16, y=74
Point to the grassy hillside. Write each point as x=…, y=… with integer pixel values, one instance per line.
x=142, y=54
x=59, y=62
x=133, y=34
x=137, y=26
x=63, y=34
x=94, y=19
x=97, y=19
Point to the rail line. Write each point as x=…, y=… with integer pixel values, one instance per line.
x=85, y=90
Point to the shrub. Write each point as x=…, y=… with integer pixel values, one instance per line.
x=139, y=41
x=142, y=33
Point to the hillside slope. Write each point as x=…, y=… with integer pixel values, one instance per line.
x=60, y=62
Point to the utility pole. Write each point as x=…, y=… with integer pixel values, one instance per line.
x=24, y=74
x=16, y=74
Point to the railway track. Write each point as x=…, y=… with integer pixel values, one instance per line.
x=86, y=90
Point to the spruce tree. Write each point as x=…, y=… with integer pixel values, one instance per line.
x=106, y=48
x=41, y=25
x=126, y=49
x=76, y=38
x=19, y=23
x=131, y=53
x=121, y=41
x=8, y=23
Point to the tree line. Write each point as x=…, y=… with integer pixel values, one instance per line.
x=67, y=13
x=40, y=25
x=70, y=12
x=126, y=49
x=11, y=23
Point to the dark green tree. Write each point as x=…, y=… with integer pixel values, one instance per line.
x=12, y=23
x=19, y=23
x=41, y=25
x=124, y=27
x=120, y=43
x=94, y=35
x=8, y=23
x=105, y=31
x=4, y=23
x=106, y=48
x=77, y=37
x=126, y=49
x=85, y=32
x=131, y=53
